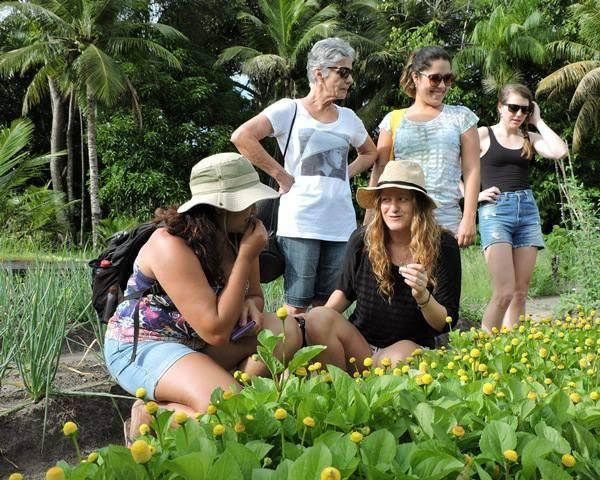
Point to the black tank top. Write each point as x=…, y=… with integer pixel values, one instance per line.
x=504, y=168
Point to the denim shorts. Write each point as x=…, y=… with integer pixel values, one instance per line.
x=311, y=269
x=513, y=218
x=152, y=360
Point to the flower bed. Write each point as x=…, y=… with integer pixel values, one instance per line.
x=519, y=404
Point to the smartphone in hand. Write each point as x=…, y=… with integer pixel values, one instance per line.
x=240, y=331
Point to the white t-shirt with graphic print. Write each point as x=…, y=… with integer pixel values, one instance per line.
x=435, y=145
x=319, y=204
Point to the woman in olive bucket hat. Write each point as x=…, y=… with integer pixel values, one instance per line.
x=403, y=271
x=204, y=257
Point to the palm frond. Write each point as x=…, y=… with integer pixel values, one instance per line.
x=168, y=32
x=122, y=46
x=37, y=89
x=565, y=78
x=265, y=67
x=238, y=53
x=44, y=16
x=572, y=51
x=588, y=87
x=101, y=74
x=22, y=59
x=587, y=120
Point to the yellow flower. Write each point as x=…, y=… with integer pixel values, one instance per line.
x=423, y=367
x=367, y=362
x=512, y=370
x=351, y=360
x=488, y=388
x=458, y=431
x=583, y=363
x=69, y=428
x=379, y=371
x=405, y=368
x=365, y=430
x=508, y=348
x=417, y=352
x=144, y=429
x=356, y=374
x=227, y=394
x=151, y=407
x=386, y=362
x=237, y=374
x=500, y=394
x=366, y=373
x=239, y=427
x=317, y=366
x=280, y=414
x=309, y=422
x=255, y=357
x=397, y=372
x=482, y=367
x=575, y=397
x=451, y=365
x=543, y=352
x=330, y=473
x=548, y=381
x=511, y=455
x=426, y=379
x=92, y=457
x=356, y=437
x=140, y=392
x=218, y=430
x=282, y=313
x=211, y=409
x=55, y=473
x=475, y=353
x=595, y=396
x=514, y=342
x=301, y=372
x=464, y=378
x=15, y=476
x=434, y=365
x=568, y=460
x=180, y=417
x=140, y=451
x=448, y=319
x=532, y=395
x=495, y=330
x=244, y=377
x=249, y=417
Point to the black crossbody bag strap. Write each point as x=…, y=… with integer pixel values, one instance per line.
x=272, y=182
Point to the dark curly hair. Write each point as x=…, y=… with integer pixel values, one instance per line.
x=198, y=228
x=419, y=60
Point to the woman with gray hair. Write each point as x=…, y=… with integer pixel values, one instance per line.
x=316, y=216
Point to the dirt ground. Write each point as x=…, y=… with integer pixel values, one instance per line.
x=23, y=446
x=99, y=418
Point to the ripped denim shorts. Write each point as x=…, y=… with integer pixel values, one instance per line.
x=513, y=218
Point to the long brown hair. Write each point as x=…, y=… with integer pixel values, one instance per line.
x=198, y=228
x=527, y=151
x=418, y=61
x=424, y=244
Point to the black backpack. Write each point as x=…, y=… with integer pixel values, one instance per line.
x=111, y=271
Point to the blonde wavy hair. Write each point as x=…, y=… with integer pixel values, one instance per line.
x=424, y=245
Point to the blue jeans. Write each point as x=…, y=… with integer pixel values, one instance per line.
x=513, y=218
x=312, y=268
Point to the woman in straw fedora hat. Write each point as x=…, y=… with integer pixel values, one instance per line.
x=208, y=286
x=403, y=271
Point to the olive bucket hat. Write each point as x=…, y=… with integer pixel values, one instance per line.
x=399, y=174
x=227, y=181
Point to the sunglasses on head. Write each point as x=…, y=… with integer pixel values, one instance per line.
x=514, y=108
x=343, y=72
x=436, y=78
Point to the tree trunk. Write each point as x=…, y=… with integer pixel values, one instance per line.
x=93, y=162
x=82, y=217
x=71, y=161
x=57, y=163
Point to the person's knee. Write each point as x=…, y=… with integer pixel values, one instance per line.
x=320, y=321
x=520, y=295
x=503, y=298
x=293, y=336
x=295, y=310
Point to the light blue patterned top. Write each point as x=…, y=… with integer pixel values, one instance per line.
x=435, y=144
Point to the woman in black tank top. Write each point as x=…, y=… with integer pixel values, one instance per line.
x=509, y=221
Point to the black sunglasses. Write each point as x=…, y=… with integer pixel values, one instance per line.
x=436, y=78
x=514, y=108
x=343, y=72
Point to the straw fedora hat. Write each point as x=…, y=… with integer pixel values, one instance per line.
x=227, y=181
x=399, y=174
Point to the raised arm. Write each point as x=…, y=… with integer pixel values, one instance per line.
x=547, y=143
x=180, y=274
x=247, y=139
x=384, y=146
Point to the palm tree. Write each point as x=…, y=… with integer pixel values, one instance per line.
x=86, y=42
x=583, y=73
x=274, y=43
x=498, y=44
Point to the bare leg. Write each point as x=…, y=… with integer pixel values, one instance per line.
x=325, y=326
x=295, y=310
x=499, y=257
x=397, y=352
x=524, y=262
